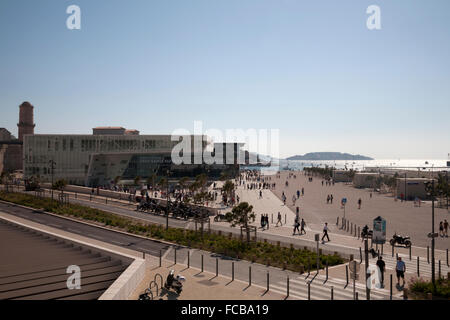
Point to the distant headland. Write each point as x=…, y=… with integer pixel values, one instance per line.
x=329, y=156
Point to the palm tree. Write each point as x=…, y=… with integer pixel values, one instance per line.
x=117, y=179
x=183, y=183
x=137, y=180
x=241, y=215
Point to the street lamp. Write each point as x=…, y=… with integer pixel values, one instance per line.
x=429, y=186
x=167, y=207
x=52, y=166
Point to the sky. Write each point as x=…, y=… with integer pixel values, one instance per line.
x=311, y=69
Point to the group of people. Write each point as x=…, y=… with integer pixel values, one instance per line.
x=330, y=199
x=443, y=228
x=264, y=221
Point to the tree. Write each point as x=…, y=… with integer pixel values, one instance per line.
x=241, y=215
x=183, y=183
x=6, y=179
x=117, y=179
x=137, y=180
x=151, y=179
x=60, y=185
x=228, y=188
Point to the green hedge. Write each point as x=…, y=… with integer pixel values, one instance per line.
x=293, y=259
x=423, y=287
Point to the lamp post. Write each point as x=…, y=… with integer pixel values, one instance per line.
x=52, y=166
x=167, y=206
x=431, y=191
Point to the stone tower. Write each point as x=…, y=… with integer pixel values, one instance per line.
x=26, y=120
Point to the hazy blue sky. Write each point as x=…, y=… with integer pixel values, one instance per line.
x=309, y=68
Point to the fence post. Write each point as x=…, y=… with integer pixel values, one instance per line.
x=287, y=287
x=390, y=288
x=359, y=232
x=428, y=254
x=447, y=257
x=418, y=273
x=189, y=259
x=160, y=258
x=249, y=276
x=309, y=290
x=232, y=271
x=332, y=293
x=267, y=281
x=217, y=267
x=175, y=257
x=410, y=255
x=356, y=295
x=202, y=262
x=337, y=221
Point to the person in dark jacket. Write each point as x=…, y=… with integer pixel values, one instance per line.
x=382, y=266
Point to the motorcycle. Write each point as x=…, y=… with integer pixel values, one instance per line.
x=399, y=240
x=174, y=283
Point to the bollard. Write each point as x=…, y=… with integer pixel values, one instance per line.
x=332, y=293
x=287, y=287
x=249, y=276
x=439, y=269
x=202, y=263
x=175, y=257
x=285, y=218
x=267, y=281
x=351, y=228
x=390, y=288
x=309, y=290
x=356, y=295
x=337, y=221
x=360, y=254
x=189, y=259
x=355, y=232
x=428, y=254
x=418, y=273
x=392, y=251
x=447, y=257
x=410, y=256
x=346, y=276
x=359, y=232
x=232, y=271
x=143, y=255
x=272, y=217
x=217, y=267
x=326, y=271
x=160, y=258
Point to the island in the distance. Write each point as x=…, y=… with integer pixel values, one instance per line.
x=329, y=156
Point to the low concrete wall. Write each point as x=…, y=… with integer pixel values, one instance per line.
x=127, y=283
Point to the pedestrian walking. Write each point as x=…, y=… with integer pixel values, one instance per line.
x=279, y=219
x=446, y=228
x=302, y=225
x=382, y=267
x=325, y=232
x=331, y=199
x=441, y=229
x=296, y=225
x=400, y=269
x=328, y=199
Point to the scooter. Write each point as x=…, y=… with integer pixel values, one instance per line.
x=399, y=240
x=174, y=283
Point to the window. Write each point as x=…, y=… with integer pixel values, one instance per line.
x=71, y=144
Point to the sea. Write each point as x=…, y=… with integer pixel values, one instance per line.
x=359, y=165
